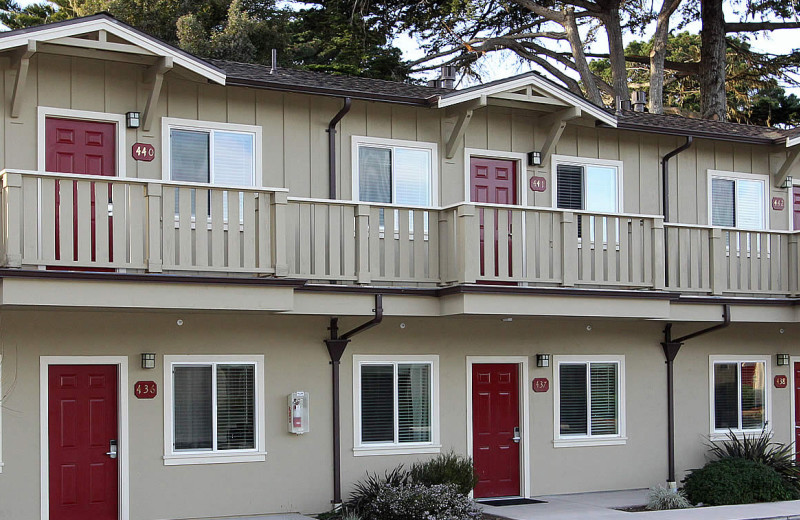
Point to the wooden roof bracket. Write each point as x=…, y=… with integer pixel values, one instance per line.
x=154, y=76
x=464, y=117
x=557, y=122
x=22, y=60
x=791, y=159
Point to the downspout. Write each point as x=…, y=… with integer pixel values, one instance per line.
x=332, y=146
x=336, y=347
x=671, y=347
x=665, y=197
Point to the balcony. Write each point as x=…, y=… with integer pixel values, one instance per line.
x=60, y=221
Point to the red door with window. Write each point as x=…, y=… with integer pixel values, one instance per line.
x=84, y=147
x=493, y=181
x=496, y=429
x=82, y=428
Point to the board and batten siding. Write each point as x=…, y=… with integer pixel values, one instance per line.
x=295, y=140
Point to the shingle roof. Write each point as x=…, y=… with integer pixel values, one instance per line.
x=248, y=74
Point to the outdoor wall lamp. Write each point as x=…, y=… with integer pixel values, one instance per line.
x=132, y=119
x=534, y=158
x=788, y=182
x=783, y=359
x=542, y=360
x=148, y=360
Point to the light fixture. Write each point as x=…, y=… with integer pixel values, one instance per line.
x=783, y=359
x=148, y=360
x=132, y=119
x=543, y=360
x=534, y=158
x=787, y=183
x=507, y=320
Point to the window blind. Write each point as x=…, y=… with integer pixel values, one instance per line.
x=414, y=403
x=377, y=403
x=375, y=174
x=192, y=407
x=603, y=380
x=235, y=407
x=573, y=399
x=412, y=176
x=752, y=376
x=749, y=204
x=723, y=202
x=233, y=158
x=189, y=156
x=726, y=396
x=569, y=192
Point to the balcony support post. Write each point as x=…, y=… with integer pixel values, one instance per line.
x=12, y=219
x=280, y=200
x=717, y=260
x=154, y=228
x=659, y=259
x=569, y=249
x=363, y=275
x=794, y=264
x=468, y=244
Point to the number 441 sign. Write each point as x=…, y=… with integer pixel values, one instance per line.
x=143, y=152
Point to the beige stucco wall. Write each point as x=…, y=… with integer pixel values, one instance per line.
x=297, y=473
x=295, y=142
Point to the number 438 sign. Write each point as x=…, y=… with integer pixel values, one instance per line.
x=143, y=152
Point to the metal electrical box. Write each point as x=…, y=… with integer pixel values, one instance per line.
x=298, y=413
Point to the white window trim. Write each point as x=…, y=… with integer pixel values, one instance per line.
x=434, y=446
x=169, y=123
x=103, y=117
x=379, y=142
x=792, y=423
x=721, y=174
x=560, y=441
x=555, y=160
x=715, y=434
x=172, y=457
x=522, y=171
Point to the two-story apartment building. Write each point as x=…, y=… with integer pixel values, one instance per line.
x=186, y=243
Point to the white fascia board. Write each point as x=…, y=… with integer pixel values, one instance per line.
x=794, y=141
x=46, y=34
x=513, y=84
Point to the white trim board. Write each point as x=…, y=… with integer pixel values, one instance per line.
x=522, y=170
x=792, y=383
x=68, y=113
x=122, y=439
x=525, y=407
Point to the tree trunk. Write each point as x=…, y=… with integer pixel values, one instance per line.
x=659, y=54
x=713, y=103
x=576, y=44
x=616, y=51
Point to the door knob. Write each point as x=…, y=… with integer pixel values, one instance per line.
x=516, y=437
x=112, y=447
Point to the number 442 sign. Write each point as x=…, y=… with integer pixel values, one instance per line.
x=143, y=152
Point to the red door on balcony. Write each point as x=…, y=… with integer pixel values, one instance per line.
x=493, y=181
x=82, y=426
x=496, y=429
x=84, y=147
x=796, y=207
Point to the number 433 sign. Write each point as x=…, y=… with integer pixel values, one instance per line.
x=143, y=152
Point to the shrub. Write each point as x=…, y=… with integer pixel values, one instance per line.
x=737, y=481
x=759, y=448
x=420, y=502
x=366, y=490
x=447, y=468
x=661, y=498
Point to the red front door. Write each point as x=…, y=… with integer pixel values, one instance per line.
x=85, y=147
x=797, y=411
x=496, y=429
x=796, y=207
x=493, y=181
x=82, y=426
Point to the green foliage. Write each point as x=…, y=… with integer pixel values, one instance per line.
x=759, y=448
x=367, y=490
x=662, y=498
x=737, y=481
x=419, y=502
x=447, y=468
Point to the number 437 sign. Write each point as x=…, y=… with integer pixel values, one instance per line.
x=143, y=152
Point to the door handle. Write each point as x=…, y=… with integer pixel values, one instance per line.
x=516, y=437
x=112, y=447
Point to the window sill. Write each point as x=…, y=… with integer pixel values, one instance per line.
x=363, y=451
x=208, y=458
x=574, y=443
x=723, y=436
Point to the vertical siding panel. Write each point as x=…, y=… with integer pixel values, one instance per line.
x=211, y=103
x=121, y=80
x=404, y=123
x=522, y=141
x=665, y=146
x=379, y=122
x=704, y=160
x=498, y=126
x=241, y=104
x=354, y=124
x=743, y=158
x=631, y=172
x=269, y=115
x=568, y=144
x=649, y=176
x=21, y=132
x=760, y=160
x=686, y=179
x=320, y=114
x=296, y=150
x=476, y=135
x=88, y=85
x=181, y=98
x=55, y=90
x=587, y=142
x=723, y=155
x=608, y=144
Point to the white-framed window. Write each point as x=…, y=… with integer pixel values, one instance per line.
x=737, y=200
x=213, y=409
x=739, y=395
x=589, y=395
x=391, y=171
x=395, y=405
x=205, y=152
x=587, y=184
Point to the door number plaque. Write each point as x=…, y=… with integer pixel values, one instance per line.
x=145, y=389
x=541, y=384
x=143, y=152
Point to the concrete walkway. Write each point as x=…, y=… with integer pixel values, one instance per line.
x=602, y=506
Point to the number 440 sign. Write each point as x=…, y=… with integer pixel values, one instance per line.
x=143, y=152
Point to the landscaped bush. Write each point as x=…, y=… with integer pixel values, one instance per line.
x=661, y=498
x=737, y=481
x=420, y=502
x=365, y=491
x=447, y=468
x=759, y=448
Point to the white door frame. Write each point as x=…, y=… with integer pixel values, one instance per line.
x=792, y=382
x=524, y=404
x=122, y=423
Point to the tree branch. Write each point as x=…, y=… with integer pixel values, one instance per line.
x=759, y=26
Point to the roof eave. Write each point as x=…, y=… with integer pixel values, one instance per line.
x=623, y=125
